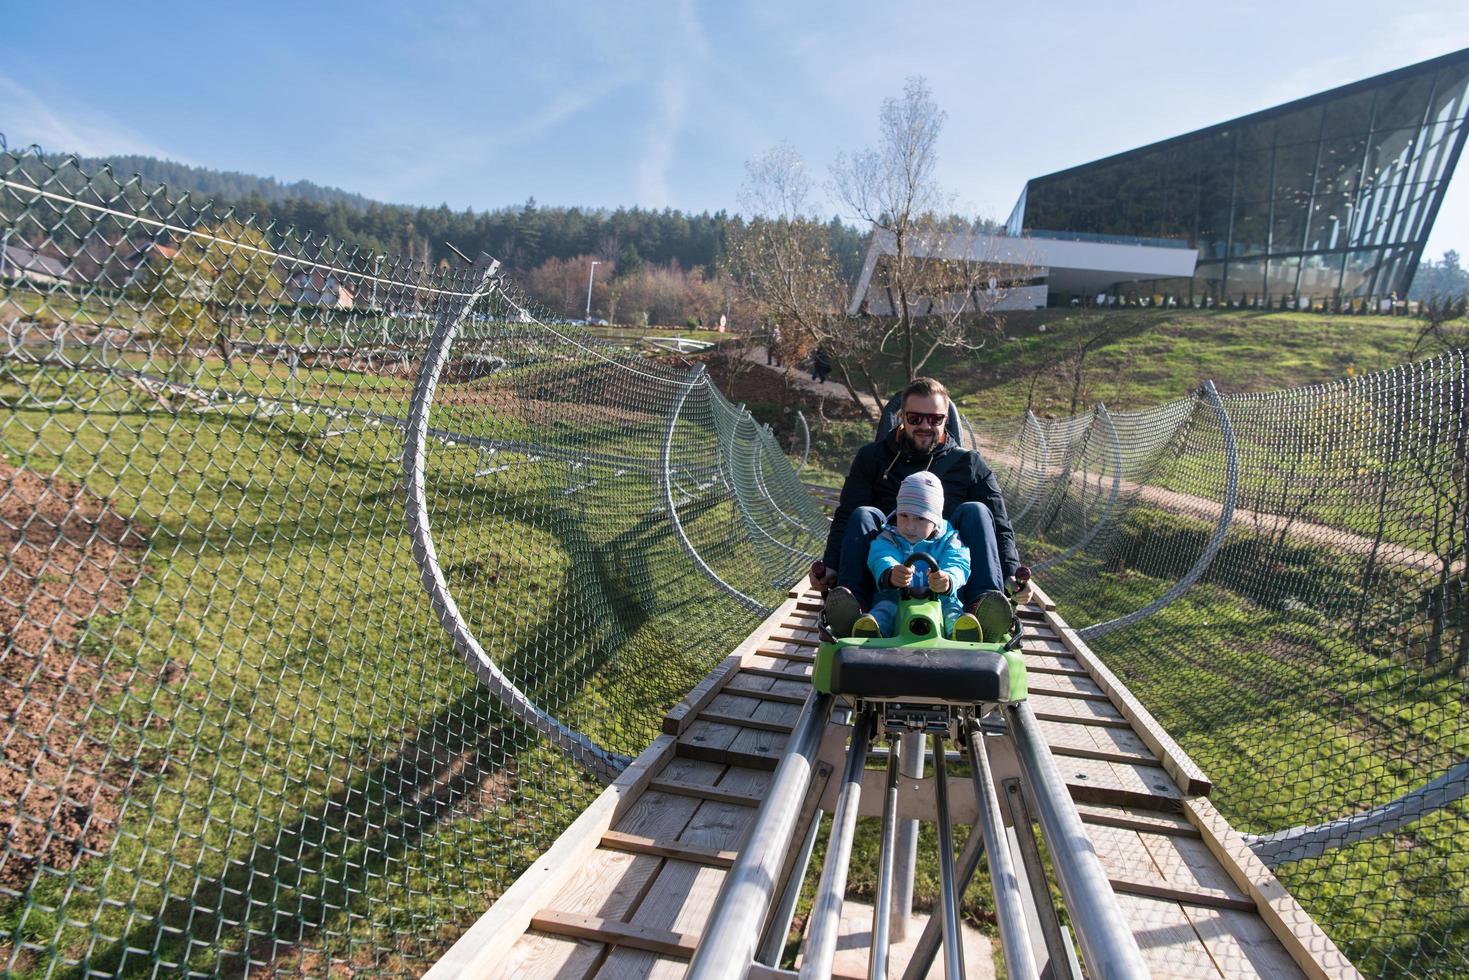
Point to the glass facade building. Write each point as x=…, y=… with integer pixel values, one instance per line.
x=1330, y=197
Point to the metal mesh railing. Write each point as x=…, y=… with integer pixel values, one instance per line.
x=330, y=583
x=1280, y=578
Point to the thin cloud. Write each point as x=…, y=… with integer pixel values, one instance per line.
x=685, y=47
x=26, y=118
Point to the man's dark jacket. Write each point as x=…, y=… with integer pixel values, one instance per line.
x=880, y=466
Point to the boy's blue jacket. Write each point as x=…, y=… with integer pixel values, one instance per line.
x=890, y=548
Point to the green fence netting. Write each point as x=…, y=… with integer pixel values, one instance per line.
x=333, y=584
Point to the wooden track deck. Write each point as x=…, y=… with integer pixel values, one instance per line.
x=627, y=890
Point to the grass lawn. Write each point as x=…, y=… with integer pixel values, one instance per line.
x=312, y=774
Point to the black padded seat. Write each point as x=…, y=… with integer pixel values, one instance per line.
x=953, y=674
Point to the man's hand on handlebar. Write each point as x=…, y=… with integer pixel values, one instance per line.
x=821, y=577
x=939, y=583
x=901, y=576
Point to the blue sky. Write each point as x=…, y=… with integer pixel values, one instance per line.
x=660, y=104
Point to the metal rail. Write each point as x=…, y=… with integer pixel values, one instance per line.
x=604, y=764
x=953, y=930
x=696, y=374
x=826, y=911
x=882, y=909
x=728, y=945
x=1009, y=912
x=1215, y=542
x=1108, y=946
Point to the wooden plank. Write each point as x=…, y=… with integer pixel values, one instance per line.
x=1056, y=687
x=1073, y=719
x=788, y=654
x=1209, y=897
x=485, y=945
x=611, y=932
x=788, y=671
x=730, y=757
x=538, y=956
x=1153, y=823
x=608, y=884
x=705, y=792
x=634, y=844
x=1102, y=755
x=683, y=713
x=754, y=724
x=1241, y=944
x=1115, y=783
x=747, y=685
x=1305, y=942
x=684, y=893
x=1169, y=944
x=1076, y=708
x=1178, y=763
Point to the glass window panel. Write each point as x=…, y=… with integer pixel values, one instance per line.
x=1417, y=200
x=1349, y=116
x=1359, y=269
x=1301, y=126
x=1295, y=166
x=1341, y=163
x=1209, y=281
x=1257, y=136
x=1389, y=155
x=1402, y=103
x=1392, y=275
x=1251, y=230
x=1288, y=230
x=1330, y=217
x=1252, y=178
x=1320, y=274
x=1246, y=281
x=1280, y=280
x=1213, y=231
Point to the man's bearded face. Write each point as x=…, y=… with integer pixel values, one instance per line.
x=925, y=435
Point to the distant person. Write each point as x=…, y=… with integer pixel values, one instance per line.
x=772, y=347
x=820, y=365
x=918, y=527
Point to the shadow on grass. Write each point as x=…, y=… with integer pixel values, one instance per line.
x=302, y=877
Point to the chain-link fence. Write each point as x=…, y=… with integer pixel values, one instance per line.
x=330, y=583
x=1280, y=578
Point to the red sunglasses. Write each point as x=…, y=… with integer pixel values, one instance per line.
x=934, y=419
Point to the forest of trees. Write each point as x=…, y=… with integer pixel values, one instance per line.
x=657, y=253
x=1439, y=281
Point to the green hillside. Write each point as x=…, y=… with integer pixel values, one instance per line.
x=1137, y=358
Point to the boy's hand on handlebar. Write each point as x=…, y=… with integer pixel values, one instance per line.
x=938, y=582
x=901, y=576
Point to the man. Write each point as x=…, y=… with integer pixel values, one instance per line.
x=972, y=504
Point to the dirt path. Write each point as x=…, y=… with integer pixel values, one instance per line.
x=801, y=379
x=1262, y=522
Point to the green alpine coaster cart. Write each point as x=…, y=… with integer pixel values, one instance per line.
x=919, y=679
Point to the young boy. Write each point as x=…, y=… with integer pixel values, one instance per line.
x=918, y=525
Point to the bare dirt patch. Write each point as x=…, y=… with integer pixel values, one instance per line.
x=65, y=557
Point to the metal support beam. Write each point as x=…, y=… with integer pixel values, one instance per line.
x=1107, y=944
x=826, y=910
x=728, y=945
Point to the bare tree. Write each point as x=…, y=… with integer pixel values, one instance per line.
x=782, y=260
x=944, y=277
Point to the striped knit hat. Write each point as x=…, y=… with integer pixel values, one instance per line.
x=922, y=495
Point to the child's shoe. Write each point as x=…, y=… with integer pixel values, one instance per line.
x=866, y=626
x=967, y=629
